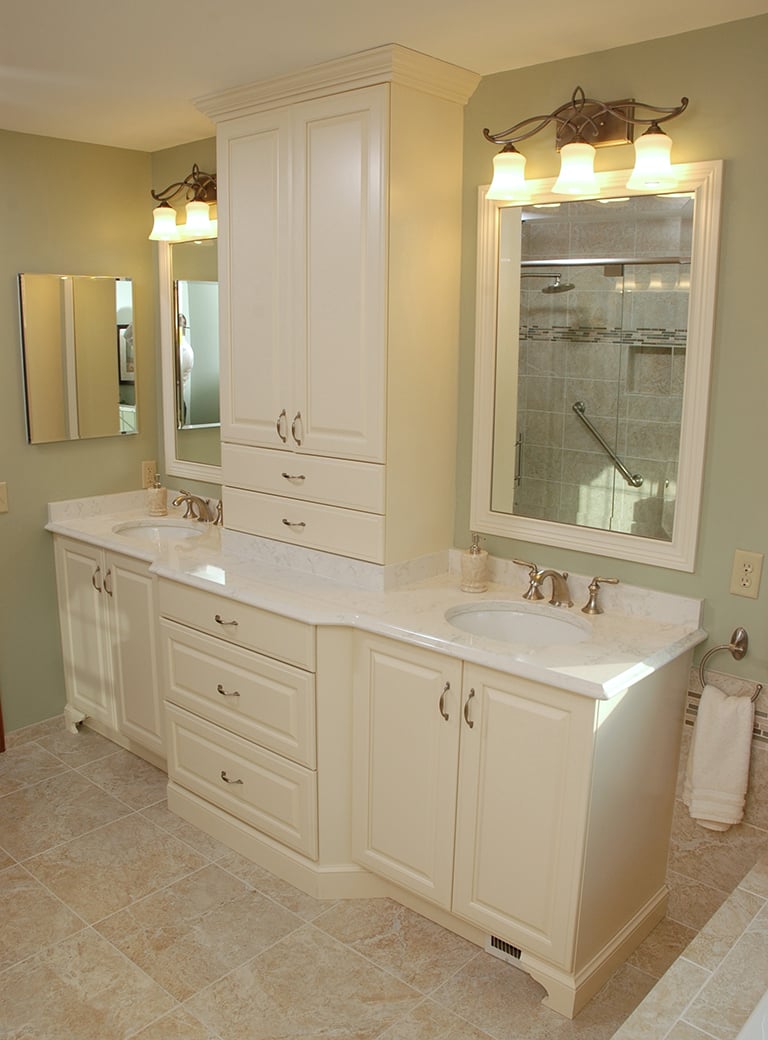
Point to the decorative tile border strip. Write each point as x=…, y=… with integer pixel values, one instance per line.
x=642, y=337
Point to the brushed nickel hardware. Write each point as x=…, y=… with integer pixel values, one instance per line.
x=467, y=719
x=592, y=606
x=294, y=523
x=561, y=595
x=282, y=420
x=441, y=704
x=220, y=621
x=197, y=508
x=533, y=591
x=227, y=780
x=108, y=582
x=219, y=521
x=96, y=579
x=633, y=479
x=737, y=647
x=297, y=419
x=224, y=693
x=294, y=476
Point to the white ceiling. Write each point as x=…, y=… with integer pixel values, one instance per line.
x=124, y=74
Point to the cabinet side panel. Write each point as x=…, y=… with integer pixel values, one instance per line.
x=253, y=213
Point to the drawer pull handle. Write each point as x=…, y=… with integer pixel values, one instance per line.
x=467, y=719
x=297, y=422
x=96, y=579
x=294, y=523
x=282, y=420
x=443, y=712
x=220, y=689
x=220, y=621
x=294, y=476
x=227, y=780
x=108, y=582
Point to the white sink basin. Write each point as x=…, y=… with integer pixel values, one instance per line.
x=516, y=623
x=160, y=530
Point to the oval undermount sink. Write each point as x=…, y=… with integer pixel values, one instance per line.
x=514, y=623
x=158, y=529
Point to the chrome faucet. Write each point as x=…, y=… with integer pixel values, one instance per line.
x=197, y=508
x=561, y=594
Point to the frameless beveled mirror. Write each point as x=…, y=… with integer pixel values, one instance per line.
x=190, y=358
x=594, y=330
x=78, y=356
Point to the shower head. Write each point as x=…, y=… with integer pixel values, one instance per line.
x=557, y=286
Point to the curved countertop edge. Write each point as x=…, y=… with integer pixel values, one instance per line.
x=624, y=649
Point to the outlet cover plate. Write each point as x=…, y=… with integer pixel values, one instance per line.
x=746, y=573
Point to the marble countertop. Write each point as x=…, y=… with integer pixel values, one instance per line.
x=639, y=632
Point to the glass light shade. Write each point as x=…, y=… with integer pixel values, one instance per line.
x=164, y=228
x=577, y=170
x=198, y=222
x=508, y=182
x=653, y=170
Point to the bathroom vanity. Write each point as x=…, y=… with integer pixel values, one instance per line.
x=329, y=720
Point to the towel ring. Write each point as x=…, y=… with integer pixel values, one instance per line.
x=737, y=647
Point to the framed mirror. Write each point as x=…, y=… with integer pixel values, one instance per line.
x=593, y=344
x=78, y=355
x=190, y=358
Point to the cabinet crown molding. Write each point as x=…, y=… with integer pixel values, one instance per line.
x=391, y=63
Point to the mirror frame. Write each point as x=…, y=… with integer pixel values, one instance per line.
x=705, y=179
x=174, y=466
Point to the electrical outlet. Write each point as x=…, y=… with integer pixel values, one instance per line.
x=746, y=572
x=3, y=497
x=148, y=473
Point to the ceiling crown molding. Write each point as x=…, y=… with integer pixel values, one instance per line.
x=391, y=63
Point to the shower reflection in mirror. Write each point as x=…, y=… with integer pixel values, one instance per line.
x=601, y=325
x=197, y=355
x=78, y=356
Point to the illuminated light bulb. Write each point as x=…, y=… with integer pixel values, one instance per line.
x=577, y=170
x=508, y=184
x=653, y=170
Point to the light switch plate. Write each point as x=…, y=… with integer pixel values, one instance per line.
x=3, y=497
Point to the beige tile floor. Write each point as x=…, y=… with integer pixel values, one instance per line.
x=118, y=919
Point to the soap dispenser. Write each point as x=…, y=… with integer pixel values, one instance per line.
x=157, y=498
x=474, y=567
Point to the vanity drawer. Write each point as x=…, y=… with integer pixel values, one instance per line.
x=263, y=700
x=249, y=626
x=262, y=789
x=308, y=524
x=311, y=478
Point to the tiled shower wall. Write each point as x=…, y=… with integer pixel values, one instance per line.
x=616, y=342
x=705, y=866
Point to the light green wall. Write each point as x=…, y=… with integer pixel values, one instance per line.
x=65, y=208
x=724, y=73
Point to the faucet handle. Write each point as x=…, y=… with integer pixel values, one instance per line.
x=592, y=606
x=533, y=591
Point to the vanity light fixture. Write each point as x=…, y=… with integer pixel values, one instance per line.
x=581, y=125
x=200, y=191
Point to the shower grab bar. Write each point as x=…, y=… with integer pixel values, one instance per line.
x=633, y=479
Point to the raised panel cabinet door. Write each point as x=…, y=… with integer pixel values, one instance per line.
x=83, y=613
x=521, y=818
x=406, y=733
x=134, y=651
x=340, y=207
x=254, y=248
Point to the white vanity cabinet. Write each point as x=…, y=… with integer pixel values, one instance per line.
x=240, y=707
x=108, y=628
x=339, y=207
x=538, y=815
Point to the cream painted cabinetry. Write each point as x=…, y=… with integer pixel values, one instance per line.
x=538, y=815
x=107, y=620
x=339, y=262
x=240, y=707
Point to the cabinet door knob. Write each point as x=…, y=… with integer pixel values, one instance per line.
x=96, y=579
x=280, y=424
x=108, y=582
x=220, y=620
x=227, y=780
x=298, y=437
x=441, y=705
x=467, y=719
x=225, y=693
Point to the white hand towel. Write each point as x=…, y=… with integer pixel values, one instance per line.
x=717, y=772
